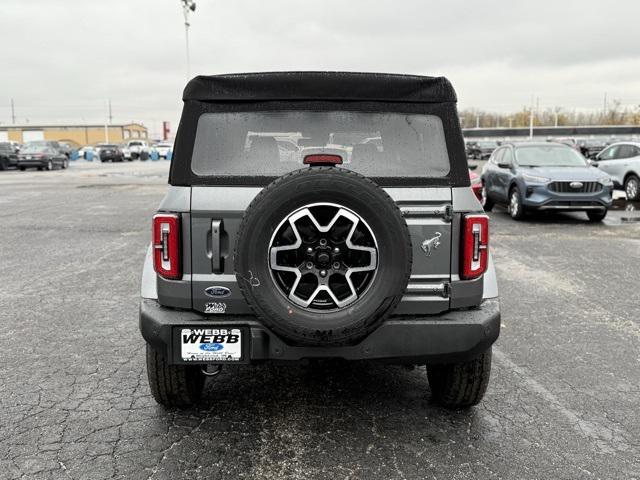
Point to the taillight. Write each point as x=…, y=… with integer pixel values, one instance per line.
x=475, y=246
x=166, y=245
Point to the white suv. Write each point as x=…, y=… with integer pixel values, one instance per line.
x=136, y=147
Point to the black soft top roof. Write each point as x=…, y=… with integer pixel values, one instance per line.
x=332, y=86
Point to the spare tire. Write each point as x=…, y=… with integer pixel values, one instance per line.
x=323, y=256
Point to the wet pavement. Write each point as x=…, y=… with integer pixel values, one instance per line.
x=75, y=404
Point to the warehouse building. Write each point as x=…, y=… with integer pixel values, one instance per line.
x=77, y=135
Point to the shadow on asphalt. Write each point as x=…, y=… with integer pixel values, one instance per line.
x=373, y=420
x=326, y=395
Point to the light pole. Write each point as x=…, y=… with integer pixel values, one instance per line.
x=188, y=6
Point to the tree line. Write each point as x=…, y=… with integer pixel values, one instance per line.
x=615, y=114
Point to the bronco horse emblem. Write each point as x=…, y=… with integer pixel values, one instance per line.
x=431, y=244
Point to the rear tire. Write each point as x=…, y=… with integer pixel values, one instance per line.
x=173, y=385
x=460, y=385
x=516, y=209
x=487, y=203
x=632, y=187
x=596, y=215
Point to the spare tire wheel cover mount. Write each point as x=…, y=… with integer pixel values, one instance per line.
x=323, y=256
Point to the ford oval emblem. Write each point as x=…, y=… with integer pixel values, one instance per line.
x=217, y=292
x=575, y=184
x=211, y=347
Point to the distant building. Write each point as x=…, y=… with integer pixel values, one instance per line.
x=75, y=134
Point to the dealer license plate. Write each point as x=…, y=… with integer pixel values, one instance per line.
x=211, y=344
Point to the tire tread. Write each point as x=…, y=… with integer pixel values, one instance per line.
x=173, y=385
x=460, y=385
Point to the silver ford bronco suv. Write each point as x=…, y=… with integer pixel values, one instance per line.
x=316, y=215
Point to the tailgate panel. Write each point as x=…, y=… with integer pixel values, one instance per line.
x=427, y=213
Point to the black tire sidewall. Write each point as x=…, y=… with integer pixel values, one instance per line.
x=596, y=216
x=323, y=185
x=487, y=203
x=520, y=213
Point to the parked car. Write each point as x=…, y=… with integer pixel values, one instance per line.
x=622, y=162
x=8, y=156
x=46, y=143
x=42, y=156
x=110, y=153
x=485, y=148
x=163, y=149
x=322, y=262
x=544, y=176
x=137, y=148
x=591, y=147
x=15, y=146
x=472, y=149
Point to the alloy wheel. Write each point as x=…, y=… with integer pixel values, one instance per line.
x=632, y=188
x=323, y=257
x=514, y=204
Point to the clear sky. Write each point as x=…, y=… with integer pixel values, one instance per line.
x=61, y=59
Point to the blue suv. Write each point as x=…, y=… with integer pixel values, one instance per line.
x=544, y=176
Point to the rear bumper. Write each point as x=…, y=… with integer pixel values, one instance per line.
x=32, y=163
x=449, y=337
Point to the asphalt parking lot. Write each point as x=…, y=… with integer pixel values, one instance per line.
x=75, y=404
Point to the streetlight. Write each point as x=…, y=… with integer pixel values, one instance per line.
x=188, y=6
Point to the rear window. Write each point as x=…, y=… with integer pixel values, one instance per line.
x=273, y=143
x=35, y=148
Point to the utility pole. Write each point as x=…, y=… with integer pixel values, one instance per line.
x=106, y=123
x=604, y=107
x=556, y=111
x=188, y=6
x=110, y=115
x=13, y=113
x=477, y=121
x=531, y=119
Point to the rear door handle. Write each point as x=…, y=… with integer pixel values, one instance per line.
x=216, y=254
